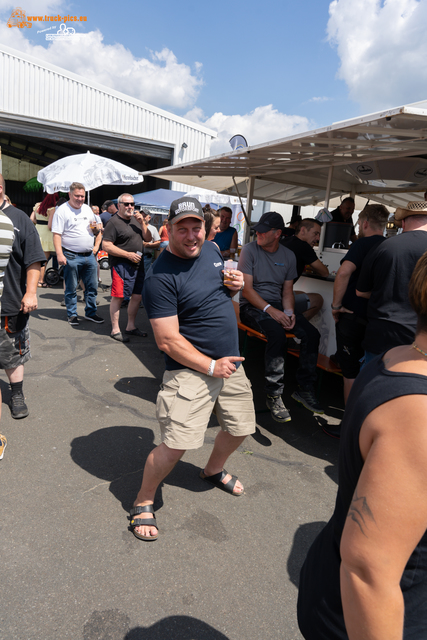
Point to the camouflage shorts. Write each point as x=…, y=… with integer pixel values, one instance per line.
x=14, y=348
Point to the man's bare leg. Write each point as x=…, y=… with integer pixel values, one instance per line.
x=225, y=445
x=133, y=307
x=160, y=463
x=115, y=305
x=15, y=375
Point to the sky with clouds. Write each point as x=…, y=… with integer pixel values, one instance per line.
x=264, y=71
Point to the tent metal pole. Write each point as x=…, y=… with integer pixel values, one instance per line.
x=249, y=208
x=326, y=205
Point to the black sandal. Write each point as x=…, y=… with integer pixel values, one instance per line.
x=217, y=481
x=141, y=522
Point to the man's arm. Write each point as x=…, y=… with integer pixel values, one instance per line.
x=340, y=287
x=112, y=250
x=320, y=268
x=98, y=240
x=169, y=340
x=233, y=245
x=146, y=233
x=259, y=303
x=288, y=301
x=57, y=243
x=363, y=294
x=29, y=301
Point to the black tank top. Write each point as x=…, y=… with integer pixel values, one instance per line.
x=320, y=615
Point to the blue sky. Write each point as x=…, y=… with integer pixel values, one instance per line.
x=264, y=69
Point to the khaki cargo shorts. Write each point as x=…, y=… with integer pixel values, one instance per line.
x=187, y=399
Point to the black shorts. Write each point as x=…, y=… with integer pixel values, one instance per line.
x=350, y=331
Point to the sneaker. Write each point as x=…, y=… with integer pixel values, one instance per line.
x=278, y=410
x=73, y=321
x=95, y=318
x=308, y=400
x=332, y=430
x=3, y=445
x=17, y=406
x=63, y=303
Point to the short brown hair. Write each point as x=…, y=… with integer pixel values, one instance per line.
x=418, y=292
x=308, y=223
x=76, y=185
x=376, y=214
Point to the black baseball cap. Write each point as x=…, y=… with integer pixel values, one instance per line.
x=268, y=221
x=185, y=208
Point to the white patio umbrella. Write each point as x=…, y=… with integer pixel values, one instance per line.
x=89, y=169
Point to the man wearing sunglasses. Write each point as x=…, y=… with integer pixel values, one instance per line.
x=124, y=237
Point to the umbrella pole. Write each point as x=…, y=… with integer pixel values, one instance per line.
x=88, y=198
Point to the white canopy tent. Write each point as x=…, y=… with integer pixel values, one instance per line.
x=380, y=157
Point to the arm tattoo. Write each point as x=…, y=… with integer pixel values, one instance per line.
x=360, y=512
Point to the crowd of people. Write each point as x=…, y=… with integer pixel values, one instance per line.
x=365, y=575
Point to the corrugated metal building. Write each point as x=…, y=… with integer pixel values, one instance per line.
x=47, y=113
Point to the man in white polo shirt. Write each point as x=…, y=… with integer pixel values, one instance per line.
x=75, y=248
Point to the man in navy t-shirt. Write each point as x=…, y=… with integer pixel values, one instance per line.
x=190, y=309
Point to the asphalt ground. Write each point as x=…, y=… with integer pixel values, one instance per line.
x=223, y=568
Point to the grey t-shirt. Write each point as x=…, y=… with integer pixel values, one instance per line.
x=269, y=270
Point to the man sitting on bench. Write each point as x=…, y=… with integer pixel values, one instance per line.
x=267, y=305
x=307, y=234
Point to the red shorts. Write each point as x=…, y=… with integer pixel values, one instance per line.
x=128, y=279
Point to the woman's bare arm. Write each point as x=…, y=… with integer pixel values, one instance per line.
x=386, y=519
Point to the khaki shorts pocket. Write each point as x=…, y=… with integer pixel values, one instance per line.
x=173, y=405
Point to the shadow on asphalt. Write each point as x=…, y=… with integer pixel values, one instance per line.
x=118, y=454
x=303, y=539
x=115, y=624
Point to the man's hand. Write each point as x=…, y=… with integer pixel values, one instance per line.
x=287, y=322
x=133, y=257
x=29, y=302
x=225, y=367
x=233, y=279
x=336, y=313
x=62, y=260
x=138, y=216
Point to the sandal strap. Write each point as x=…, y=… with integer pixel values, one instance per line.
x=147, y=522
x=135, y=511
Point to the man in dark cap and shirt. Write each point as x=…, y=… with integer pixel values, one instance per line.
x=267, y=304
x=108, y=210
x=194, y=324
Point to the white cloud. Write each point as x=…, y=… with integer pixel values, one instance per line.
x=260, y=125
x=158, y=80
x=383, y=48
x=319, y=99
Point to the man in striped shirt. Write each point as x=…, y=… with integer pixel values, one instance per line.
x=18, y=300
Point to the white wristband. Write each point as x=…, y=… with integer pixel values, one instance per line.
x=211, y=368
x=266, y=307
x=289, y=312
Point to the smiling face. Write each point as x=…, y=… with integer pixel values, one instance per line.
x=186, y=237
x=126, y=207
x=347, y=209
x=214, y=228
x=77, y=198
